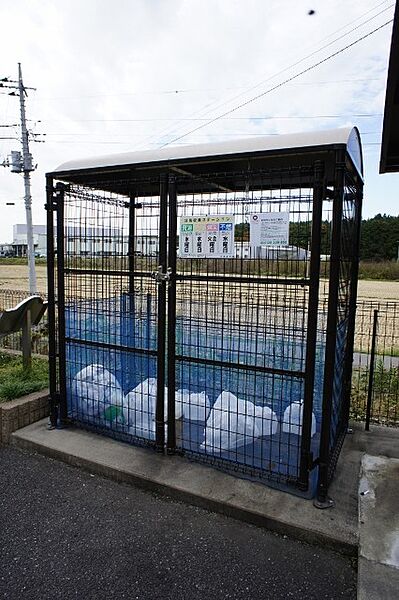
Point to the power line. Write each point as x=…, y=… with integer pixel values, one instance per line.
x=279, y=85
x=220, y=105
x=249, y=118
x=194, y=90
x=130, y=135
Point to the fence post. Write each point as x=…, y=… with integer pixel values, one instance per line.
x=312, y=318
x=171, y=344
x=60, y=194
x=161, y=328
x=322, y=500
x=371, y=372
x=27, y=341
x=51, y=309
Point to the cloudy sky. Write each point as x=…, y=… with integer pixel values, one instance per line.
x=133, y=74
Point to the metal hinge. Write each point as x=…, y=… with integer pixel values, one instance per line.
x=160, y=276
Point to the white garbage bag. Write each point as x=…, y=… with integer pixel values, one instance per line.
x=97, y=394
x=233, y=423
x=140, y=408
x=266, y=421
x=292, y=419
x=194, y=407
x=180, y=403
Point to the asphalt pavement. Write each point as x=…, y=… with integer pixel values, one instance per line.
x=65, y=533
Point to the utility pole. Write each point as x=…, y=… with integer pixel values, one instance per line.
x=27, y=168
x=24, y=165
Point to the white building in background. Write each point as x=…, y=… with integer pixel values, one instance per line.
x=98, y=241
x=245, y=250
x=147, y=245
x=82, y=241
x=95, y=241
x=20, y=240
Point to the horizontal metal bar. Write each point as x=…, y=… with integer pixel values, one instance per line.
x=240, y=366
x=109, y=272
x=248, y=279
x=108, y=346
x=191, y=277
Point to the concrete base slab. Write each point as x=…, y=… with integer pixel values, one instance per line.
x=206, y=487
x=378, y=574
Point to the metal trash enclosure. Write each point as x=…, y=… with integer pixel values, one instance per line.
x=202, y=301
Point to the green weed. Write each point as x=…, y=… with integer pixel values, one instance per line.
x=385, y=396
x=15, y=382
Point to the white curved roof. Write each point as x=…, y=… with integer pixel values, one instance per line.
x=348, y=136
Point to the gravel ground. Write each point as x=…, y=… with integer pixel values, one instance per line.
x=67, y=534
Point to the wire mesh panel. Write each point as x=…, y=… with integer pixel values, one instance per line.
x=340, y=323
x=110, y=311
x=241, y=325
x=347, y=256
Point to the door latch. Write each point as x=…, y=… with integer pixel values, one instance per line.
x=160, y=276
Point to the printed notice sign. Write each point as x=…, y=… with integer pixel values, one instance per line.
x=269, y=229
x=207, y=237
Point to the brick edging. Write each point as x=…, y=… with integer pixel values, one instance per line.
x=21, y=412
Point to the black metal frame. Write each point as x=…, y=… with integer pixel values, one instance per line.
x=168, y=278
x=319, y=191
x=51, y=310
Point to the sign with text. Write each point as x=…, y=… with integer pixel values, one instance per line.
x=269, y=229
x=207, y=237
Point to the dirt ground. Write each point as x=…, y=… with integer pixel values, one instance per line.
x=15, y=277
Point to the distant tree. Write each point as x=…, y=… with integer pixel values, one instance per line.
x=301, y=235
x=379, y=238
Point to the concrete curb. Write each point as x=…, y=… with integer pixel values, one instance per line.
x=178, y=478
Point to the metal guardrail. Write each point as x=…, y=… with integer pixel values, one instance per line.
x=23, y=317
x=375, y=377
x=9, y=299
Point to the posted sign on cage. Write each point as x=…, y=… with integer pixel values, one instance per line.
x=269, y=229
x=207, y=237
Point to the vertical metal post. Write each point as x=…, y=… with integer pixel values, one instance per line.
x=171, y=445
x=329, y=361
x=371, y=372
x=149, y=309
x=160, y=407
x=60, y=194
x=131, y=244
x=311, y=337
x=52, y=339
x=352, y=306
x=27, y=341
